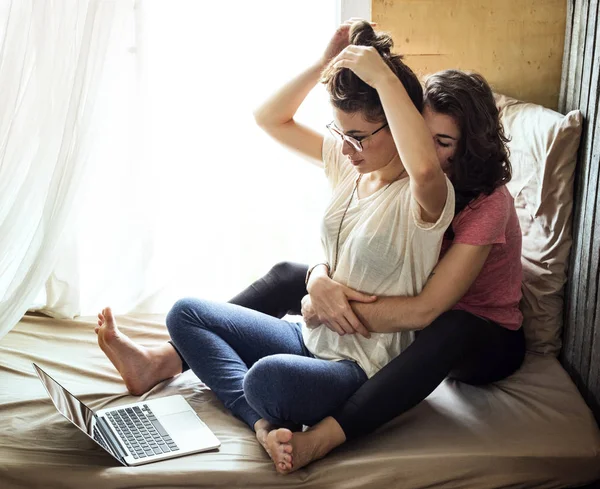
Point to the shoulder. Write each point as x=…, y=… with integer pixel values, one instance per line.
x=498, y=204
x=485, y=219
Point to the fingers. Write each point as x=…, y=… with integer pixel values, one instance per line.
x=338, y=321
x=346, y=326
x=335, y=327
x=355, y=295
x=341, y=64
x=349, y=56
x=349, y=52
x=358, y=327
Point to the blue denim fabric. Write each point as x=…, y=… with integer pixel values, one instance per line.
x=258, y=365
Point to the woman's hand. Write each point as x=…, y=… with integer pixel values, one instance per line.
x=308, y=313
x=328, y=304
x=340, y=40
x=365, y=62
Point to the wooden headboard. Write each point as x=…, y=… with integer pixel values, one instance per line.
x=516, y=44
x=579, y=90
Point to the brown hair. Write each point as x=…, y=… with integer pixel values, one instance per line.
x=350, y=94
x=481, y=162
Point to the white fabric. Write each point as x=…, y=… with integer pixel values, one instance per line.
x=53, y=56
x=385, y=249
x=189, y=197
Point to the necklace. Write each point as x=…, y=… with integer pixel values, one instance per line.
x=337, y=241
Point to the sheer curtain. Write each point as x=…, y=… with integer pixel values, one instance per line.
x=187, y=196
x=52, y=61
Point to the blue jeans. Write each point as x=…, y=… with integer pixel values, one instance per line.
x=258, y=365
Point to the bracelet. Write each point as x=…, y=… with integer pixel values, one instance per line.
x=310, y=270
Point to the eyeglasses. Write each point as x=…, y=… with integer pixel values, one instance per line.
x=355, y=142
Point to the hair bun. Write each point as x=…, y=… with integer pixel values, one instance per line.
x=363, y=34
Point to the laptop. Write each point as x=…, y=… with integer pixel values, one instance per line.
x=138, y=433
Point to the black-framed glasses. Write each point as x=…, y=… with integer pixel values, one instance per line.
x=356, y=143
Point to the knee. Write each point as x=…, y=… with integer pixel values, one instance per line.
x=281, y=270
x=264, y=384
x=286, y=273
x=178, y=318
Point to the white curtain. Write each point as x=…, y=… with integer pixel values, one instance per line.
x=52, y=57
x=187, y=196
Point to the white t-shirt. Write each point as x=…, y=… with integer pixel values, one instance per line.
x=385, y=249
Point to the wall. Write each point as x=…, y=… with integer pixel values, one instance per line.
x=516, y=44
x=581, y=80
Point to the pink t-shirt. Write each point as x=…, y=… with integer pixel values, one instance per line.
x=496, y=292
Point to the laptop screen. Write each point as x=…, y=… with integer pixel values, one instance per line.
x=67, y=404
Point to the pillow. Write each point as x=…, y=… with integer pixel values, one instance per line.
x=543, y=153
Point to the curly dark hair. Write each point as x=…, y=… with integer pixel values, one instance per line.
x=350, y=94
x=481, y=163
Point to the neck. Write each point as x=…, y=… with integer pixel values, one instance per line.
x=391, y=172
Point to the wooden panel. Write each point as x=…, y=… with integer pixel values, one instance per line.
x=517, y=45
x=581, y=80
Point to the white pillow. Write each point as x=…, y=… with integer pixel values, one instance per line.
x=543, y=154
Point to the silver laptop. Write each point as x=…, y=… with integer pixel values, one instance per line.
x=137, y=433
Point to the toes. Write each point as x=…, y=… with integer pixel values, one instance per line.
x=282, y=450
x=108, y=316
x=283, y=435
x=287, y=448
x=283, y=468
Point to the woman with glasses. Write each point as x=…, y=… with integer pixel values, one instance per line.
x=381, y=234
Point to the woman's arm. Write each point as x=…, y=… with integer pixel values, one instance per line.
x=449, y=281
x=329, y=302
x=411, y=135
x=276, y=115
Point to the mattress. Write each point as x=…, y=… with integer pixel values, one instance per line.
x=531, y=430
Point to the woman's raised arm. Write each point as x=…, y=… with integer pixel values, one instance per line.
x=411, y=135
x=276, y=115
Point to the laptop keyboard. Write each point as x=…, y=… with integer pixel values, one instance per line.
x=141, y=432
x=99, y=438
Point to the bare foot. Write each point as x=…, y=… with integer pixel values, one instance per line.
x=279, y=447
x=306, y=447
x=141, y=368
x=262, y=428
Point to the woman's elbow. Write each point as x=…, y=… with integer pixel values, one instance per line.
x=260, y=117
x=268, y=122
x=424, y=316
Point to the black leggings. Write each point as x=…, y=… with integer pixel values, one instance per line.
x=457, y=344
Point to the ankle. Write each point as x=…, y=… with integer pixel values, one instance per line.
x=328, y=434
x=261, y=424
x=166, y=360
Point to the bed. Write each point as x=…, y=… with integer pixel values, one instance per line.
x=532, y=430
